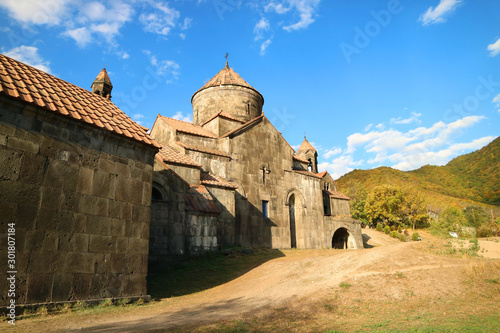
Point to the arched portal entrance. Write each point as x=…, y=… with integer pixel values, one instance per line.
x=340, y=239
x=293, y=232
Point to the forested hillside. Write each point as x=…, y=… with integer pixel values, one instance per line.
x=467, y=179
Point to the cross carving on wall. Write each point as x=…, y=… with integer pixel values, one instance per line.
x=265, y=170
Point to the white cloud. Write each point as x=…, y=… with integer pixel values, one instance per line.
x=162, y=20
x=29, y=55
x=50, y=12
x=168, y=69
x=264, y=46
x=497, y=101
x=413, y=119
x=409, y=150
x=332, y=152
x=180, y=116
x=380, y=126
x=81, y=36
x=260, y=28
x=368, y=127
x=187, y=23
x=304, y=9
x=437, y=14
x=494, y=48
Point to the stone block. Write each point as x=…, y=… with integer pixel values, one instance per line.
x=104, y=184
x=80, y=262
x=119, y=263
x=98, y=225
x=71, y=178
x=39, y=288
x=117, y=227
x=138, y=246
x=23, y=145
x=58, y=261
x=102, y=244
x=50, y=241
x=121, y=244
x=81, y=285
x=115, y=209
x=115, y=284
x=80, y=243
x=46, y=219
x=98, y=286
x=62, y=287
x=93, y=205
x=34, y=240
x=26, y=217
x=9, y=213
x=20, y=193
x=85, y=181
x=129, y=190
x=39, y=262
x=107, y=165
x=103, y=263
x=11, y=162
x=52, y=197
x=141, y=213
x=123, y=169
x=135, y=285
x=126, y=211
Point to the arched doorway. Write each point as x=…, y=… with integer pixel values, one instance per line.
x=293, y=232
x=340, y=239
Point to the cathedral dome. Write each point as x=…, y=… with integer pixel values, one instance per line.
x=228, y=92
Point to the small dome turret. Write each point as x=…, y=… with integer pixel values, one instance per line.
x=102, y=84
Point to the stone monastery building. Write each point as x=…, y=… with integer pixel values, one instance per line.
x=95, y=200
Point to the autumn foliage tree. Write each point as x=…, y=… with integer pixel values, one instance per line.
x=394, y=205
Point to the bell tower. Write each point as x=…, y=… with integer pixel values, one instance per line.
x=102, y=84
x=307, y=151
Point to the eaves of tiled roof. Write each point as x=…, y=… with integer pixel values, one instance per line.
x=35, y=87
x=226, y=77
x=183, y=126
x=244, y=127
x=202, y=149
x=222, y=114
x=300, y=159
x=307, y=173
x=209, y=179
x=337, y=195
x=198, y=199
x=169, y=155
x=322, y=174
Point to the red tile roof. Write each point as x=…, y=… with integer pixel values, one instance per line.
x=226, y=77
x=198, y=199
x=168, y=154
x=32, y=86
x=322, y=174
x=244, y=126
x=223, y=114
x=307, y=173
x=305, y=146
x=202, y=149
x=183, y=126
x=337, y=195
x=213, y=180
x=298, y=158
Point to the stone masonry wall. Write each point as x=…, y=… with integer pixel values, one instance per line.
x=80, y=200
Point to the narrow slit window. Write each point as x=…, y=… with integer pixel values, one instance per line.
x=265, y=208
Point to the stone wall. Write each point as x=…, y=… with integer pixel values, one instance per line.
x=241, y=102
x=201, y=235
x=333, y=224
x=225, y=199
x=80, y=200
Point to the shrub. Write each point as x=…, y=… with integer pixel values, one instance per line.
x=488, y=229
x=415, y=236
x=394, y=234
x=402, y=238
x=399, y=229
x=387, y=229
x=393, y=228
x=380, y=227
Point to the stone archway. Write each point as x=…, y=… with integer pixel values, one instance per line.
x=342, y=239
x=293, y=232
x=295, y=224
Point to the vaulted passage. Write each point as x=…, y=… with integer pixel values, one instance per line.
x=340, y=239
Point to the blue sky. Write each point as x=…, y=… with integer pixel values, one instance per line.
x=396, y=83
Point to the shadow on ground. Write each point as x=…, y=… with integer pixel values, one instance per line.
x=366, y=238
x=200, y=273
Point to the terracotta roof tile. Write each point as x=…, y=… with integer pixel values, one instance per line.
x=168, y=154
x=210, y=179
x=298, y=158
x=186, y=127
x=198, y=199
x=305, y=146
x=322, y=174
x=59, y=96
x=222, y=114
x=337, y=195
x=226, y=77
x=307, y=173
x=202, y=149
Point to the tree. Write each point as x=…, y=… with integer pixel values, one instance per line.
x=357, y=193
x=475, y=216
x=396, y=206
x=452, y=217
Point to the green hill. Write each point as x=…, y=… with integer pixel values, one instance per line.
x=468, y=179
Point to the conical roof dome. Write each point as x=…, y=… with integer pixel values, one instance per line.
x=305, y=146
x=103, y=77
x=226, y=77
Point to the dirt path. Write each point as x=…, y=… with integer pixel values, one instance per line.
x=299, y=276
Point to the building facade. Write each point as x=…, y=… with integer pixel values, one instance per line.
x=261, y=192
